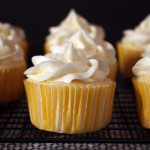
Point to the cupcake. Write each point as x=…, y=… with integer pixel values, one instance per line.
x=12, y=66
x=132, y=46
x=69, y=93
x=141, y=83
x=101, y=50
x=10, y=32
x=72, y=23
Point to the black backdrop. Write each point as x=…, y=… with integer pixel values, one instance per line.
x=35, y=16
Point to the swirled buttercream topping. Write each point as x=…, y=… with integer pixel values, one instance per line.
x=67, y=66
x=10, y=32
x=142, y=67
x=93, y=50
x=72, y=23
x=10, y=51
x=139, y=35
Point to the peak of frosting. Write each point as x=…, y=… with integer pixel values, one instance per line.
x=10, y=32
x=144, y=25
x=102, y=50
x=72, y=23
x=10, y=51
x=142, y=67
x=67, y=66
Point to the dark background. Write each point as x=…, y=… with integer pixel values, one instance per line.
x=36, y=16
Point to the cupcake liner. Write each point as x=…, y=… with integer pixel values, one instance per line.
x=69, y=108
x=127, y=58
x=113, y=71
x=11, y=82
x=142, y=93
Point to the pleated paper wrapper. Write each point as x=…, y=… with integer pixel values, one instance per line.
x=142, y=93
x=127, y=58
x=11, y=81
x=69, y=109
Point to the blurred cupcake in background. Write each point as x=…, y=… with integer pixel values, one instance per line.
x=71, y=24
x=11, y=32
x=12, y=66
x=69, y=93
x=141, y=83
x=132, y=45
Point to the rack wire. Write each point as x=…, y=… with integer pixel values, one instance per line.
x=15, y=125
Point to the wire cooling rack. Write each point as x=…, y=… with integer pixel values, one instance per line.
x=15, y=125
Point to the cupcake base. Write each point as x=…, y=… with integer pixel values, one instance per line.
x=11, y=81
x=142, y=93
x=70, y=108
x=128, y=55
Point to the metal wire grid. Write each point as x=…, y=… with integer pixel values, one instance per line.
x=15, y=125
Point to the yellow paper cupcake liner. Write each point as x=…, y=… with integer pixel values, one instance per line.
x=113, y=71
x=69, y=108
x=142, y=93
x=127, y=58
x=11, y=81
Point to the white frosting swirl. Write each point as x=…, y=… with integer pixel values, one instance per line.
x=10, y=51
x=11, y=32
x=81, y=41
x=140, y=35
x=67, y=66
x=70, y=25
x=142, y=67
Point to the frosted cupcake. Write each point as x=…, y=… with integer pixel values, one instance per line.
x=141, y=83
x=71, y=24
x=69, y=93
x=10, y=32
x=12, y=66
x=132, y=46
x=100, y=50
